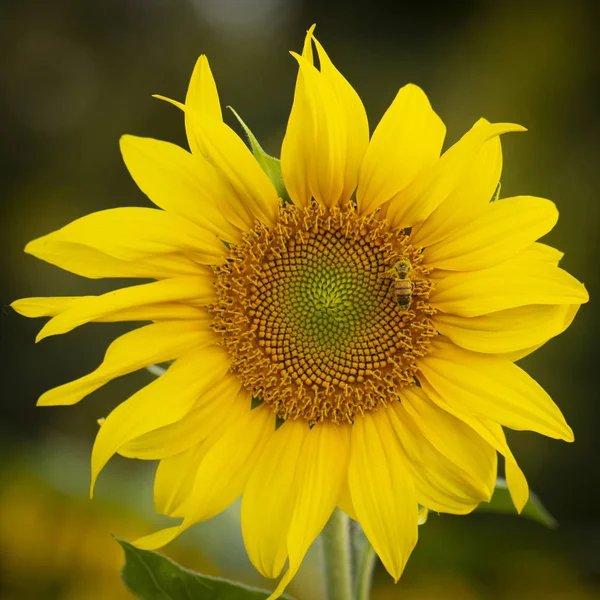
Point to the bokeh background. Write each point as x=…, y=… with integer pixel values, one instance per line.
x=75, y=75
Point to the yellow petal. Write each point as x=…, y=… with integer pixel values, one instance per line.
x=149, y=345
x=569, y=315
x=222, y=148
x=296, y=146
x=508, y=285
x=174, y=480
x=214, y=410
x=202, y=96
x=161, y=311
x=222, y=474
x=353, y=112
x=453, y=438
x=326, y=135
x=345, y=502
x=440, y=484
x=320, y=477
x=493, y=388
x=493, y=434
x=383, y=491
x=94, y=264
x=517, y=482
x=407, y=140
x=268, y=499
x=53, y=305
x=147, y=410
x=133, y=233
x=49, y=306
x=509, y=330
x=468, y=199
x=93, y=308
x=505, y=229
x=534, y=253
x=467, y=168
x=183, y=184
x=325, y=130
x=544, y=253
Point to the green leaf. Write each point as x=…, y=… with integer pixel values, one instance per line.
x=152, y=576
x=269, y=164
x=501, y=502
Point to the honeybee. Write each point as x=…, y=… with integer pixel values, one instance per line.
x=401, y=273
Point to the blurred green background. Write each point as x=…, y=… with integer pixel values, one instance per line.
x=75, y=75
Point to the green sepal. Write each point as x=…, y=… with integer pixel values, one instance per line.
x=256, y=402
x=152, y=576
x=501, y=502
x=497, y=192
x=269, y=164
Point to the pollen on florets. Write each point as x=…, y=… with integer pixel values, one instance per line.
x=310, y=317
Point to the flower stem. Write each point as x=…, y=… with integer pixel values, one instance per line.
x=335, y=544
x=365, y=565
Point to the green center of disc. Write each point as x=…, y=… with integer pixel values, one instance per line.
x=331, y=296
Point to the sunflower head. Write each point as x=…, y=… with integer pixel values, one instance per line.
x=352, y=347
x=313, y=321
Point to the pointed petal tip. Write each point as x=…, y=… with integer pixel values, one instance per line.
x=93, y=478
x=283, y=583
x=42, y=335
x=418, y=93
x=43, y=400
x=57, y=397
x=413, y=86
x=303, y=63
x=45, y=332
x=125, y=139
x=513, y=127
x=396, y=572
x=520, y=504
x=30, y=247
x=501, y=127
x=201, y=63
x=169, y=101
x=17, y=306
x=158, y=539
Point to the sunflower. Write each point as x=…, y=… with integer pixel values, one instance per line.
x=351, y=345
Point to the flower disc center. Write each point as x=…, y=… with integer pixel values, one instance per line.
x=310, y=313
